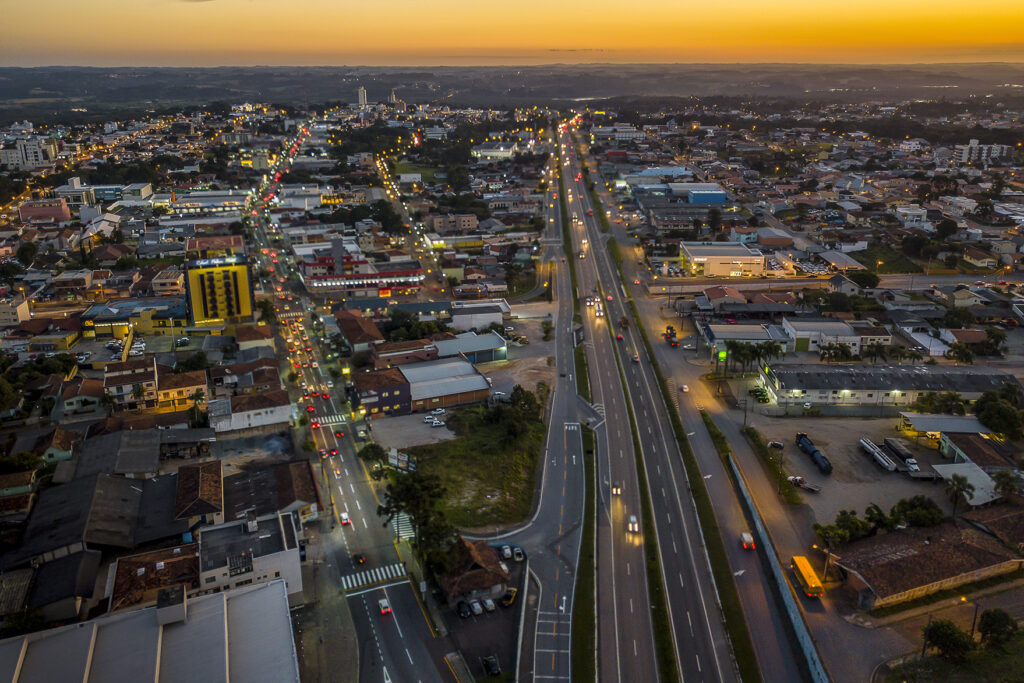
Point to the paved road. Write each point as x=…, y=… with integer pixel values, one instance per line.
x=625, y=630
x=552, y=537
x=850, y=653
x=394, y=646
x=702, y=647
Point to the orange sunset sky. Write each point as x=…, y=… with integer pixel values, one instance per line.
x=461, y=32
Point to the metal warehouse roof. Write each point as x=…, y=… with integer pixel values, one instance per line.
x=959, y=378
x=469, y=342
x=436, y=370
x=447, y=387
x=951, y=424
x=243, y=634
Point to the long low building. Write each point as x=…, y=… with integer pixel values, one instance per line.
x=876, y=385
x=419, y=386
x=722, y=259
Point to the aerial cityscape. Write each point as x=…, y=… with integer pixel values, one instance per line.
x=609, y=356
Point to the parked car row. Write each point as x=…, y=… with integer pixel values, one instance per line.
x=475, y=607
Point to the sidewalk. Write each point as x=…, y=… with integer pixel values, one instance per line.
x=955, y=603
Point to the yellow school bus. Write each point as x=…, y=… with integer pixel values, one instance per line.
x=806, y=577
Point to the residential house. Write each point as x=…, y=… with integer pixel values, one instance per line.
x=358, y=333
x=199, y=495
x=180, y=390
x=979, y=258
x=476, y=572
x=131, y=384
x=265, y=413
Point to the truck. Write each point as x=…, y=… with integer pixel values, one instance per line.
x=817, y=457
x=802, y=483
x=670, y=336
x=878, y=455
x=900, y=450
x=624, y=322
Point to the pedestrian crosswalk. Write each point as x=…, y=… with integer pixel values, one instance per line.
x=403, y=527
x=332, y=420
x=369, y=577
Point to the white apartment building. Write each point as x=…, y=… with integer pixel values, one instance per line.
x=975, y=153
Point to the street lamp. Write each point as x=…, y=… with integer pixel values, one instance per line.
x=974, y=621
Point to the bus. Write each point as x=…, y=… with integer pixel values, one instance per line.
x=806, y=577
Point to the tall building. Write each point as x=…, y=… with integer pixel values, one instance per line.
x=217, y=281
x=392, y=98
x=973, y=153
x=361, y=94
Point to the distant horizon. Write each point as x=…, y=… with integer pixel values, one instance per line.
x=510, y=65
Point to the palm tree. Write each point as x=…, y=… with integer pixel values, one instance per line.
x=770, y=350
x=960, y=354
x=914, y=356
x=995, y=337
x=959, y=489
x=827, y=352
x=199, y=397
x=949, y=403
x=1007, y=483
x=843, y=351
x=898, y=353
x=875, y=351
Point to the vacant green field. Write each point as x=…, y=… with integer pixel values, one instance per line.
x=426, y=172
x=892, y=260
x=489, y=476
x=981, y=666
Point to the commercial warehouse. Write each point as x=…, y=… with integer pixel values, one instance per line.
x=871, y=385
x=722, y=259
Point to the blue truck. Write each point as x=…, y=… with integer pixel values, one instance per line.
x=817, y=457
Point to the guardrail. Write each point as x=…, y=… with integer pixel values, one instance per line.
x=815, y=667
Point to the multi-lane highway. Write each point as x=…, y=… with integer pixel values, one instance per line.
x=625, y=631
x=773, y=646
x=702, y=647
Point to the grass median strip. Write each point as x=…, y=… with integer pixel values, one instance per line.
x=567, y=251
x=582, y=373
x=584, y=616
x=774, y=464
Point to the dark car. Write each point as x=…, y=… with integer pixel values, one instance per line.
x=491, y=667
x=463, y=609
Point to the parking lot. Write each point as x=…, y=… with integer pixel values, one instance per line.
x=405, y=431
x=491, y=633
x=856, y=481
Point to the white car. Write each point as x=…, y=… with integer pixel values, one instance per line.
x=344, y=518
x=437, y=423
x=429, y=418
x=437, y=411
x=686, y=389
x=633, y=526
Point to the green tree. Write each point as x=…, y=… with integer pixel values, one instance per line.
x=22, y=461
x=875, y=352
x=9, y=271
x=308, y=446
x=855, y=527
x=512, y=273
x=373, y=454
x=996, y=628
x=266, y=309
x=26, y=253
x=1007, y=483
x=416, y=494
x=959, y=488
x=879, y=521
x=919, y=511
x=945, y=229
x=865, y=278
x=952, y=642
x=998, y=414
x=197, y=361
x=958, y=318
x=831, y=535
x=960, y=353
